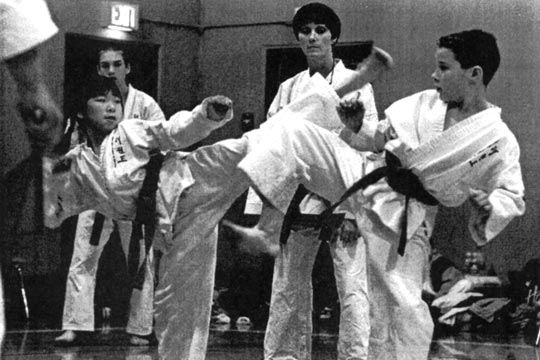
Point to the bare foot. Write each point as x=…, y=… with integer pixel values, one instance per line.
x=67, y=337
x=255, y=240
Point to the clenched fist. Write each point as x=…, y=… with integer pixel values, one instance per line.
x=218, y=108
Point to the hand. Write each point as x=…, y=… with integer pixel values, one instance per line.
x=43, y=120
x=255, y=240
x=479, y=199
x=347, y=232
x=351, y=111
x=218, y=108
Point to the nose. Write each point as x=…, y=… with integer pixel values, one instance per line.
x=110, y=106
x=435, y=76
x=312, y=35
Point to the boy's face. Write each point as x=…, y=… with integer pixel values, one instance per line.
x=449, y=78
x=112, y=65
x=315, y=40
x=104, y=112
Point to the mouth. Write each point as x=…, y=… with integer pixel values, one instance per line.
x=110, y=118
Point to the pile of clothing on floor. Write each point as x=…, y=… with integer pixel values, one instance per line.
x=478, y=300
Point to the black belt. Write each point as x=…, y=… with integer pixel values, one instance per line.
x=401, y=180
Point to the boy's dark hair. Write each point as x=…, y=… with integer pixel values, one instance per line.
x=317, y=13
x=118, y=49
x=474, y=48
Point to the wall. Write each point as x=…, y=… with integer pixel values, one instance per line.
x=169, y=23
x=172, y=24
x=228, y=58
x=238, y=32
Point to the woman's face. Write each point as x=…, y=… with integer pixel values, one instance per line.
x=104, y=112
x=315, y=40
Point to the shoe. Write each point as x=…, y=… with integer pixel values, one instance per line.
x=326, y=313
x=137, y=340
x=243, y=323
x=67, y=338
x=221, y=319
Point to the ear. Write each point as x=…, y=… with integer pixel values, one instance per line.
x=128, y=69
x=476, y=73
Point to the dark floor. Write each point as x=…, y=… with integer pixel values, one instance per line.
x=247, y=345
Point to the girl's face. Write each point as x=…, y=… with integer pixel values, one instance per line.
x=104, y=112
x=315, y=40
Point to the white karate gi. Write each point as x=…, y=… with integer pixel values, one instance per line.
x=78, y=312
x=289, y=328
x=111, y=183
x=401, y=327
x=24, y=24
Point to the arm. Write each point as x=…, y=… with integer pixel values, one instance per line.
x=359, y=114
x=492, y=212
x=183, y=129
x=26, y=24
x=41, y=116
x=63, y=194
x=154, y=112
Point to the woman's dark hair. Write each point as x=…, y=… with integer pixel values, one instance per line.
x=317, y=13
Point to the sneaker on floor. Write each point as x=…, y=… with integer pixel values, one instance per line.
x=221, y=319
x=243, y=323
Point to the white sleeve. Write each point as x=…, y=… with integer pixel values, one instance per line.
x=506, y=201
x=63, y=195
x=155, y=113
x=24, y=24
x=185, y=128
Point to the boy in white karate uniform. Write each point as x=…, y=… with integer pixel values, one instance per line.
x=456, y=144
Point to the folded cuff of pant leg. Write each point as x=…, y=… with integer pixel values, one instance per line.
x=269, y=178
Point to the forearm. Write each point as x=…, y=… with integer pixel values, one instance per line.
x=26, y=70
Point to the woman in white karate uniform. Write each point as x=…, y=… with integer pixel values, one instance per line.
x=288, y=333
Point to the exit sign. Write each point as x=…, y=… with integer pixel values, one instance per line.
x=122, y=15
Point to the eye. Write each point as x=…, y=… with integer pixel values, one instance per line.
x=321, y=29
x=305, y=30
x=117, y=63
x=117, y=100
x=100, y=99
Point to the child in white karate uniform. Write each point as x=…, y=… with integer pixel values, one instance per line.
x=456, y=144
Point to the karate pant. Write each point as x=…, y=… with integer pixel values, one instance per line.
x=302, y=153
x=81, y=282
x=289, y=328
x=183, y=298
